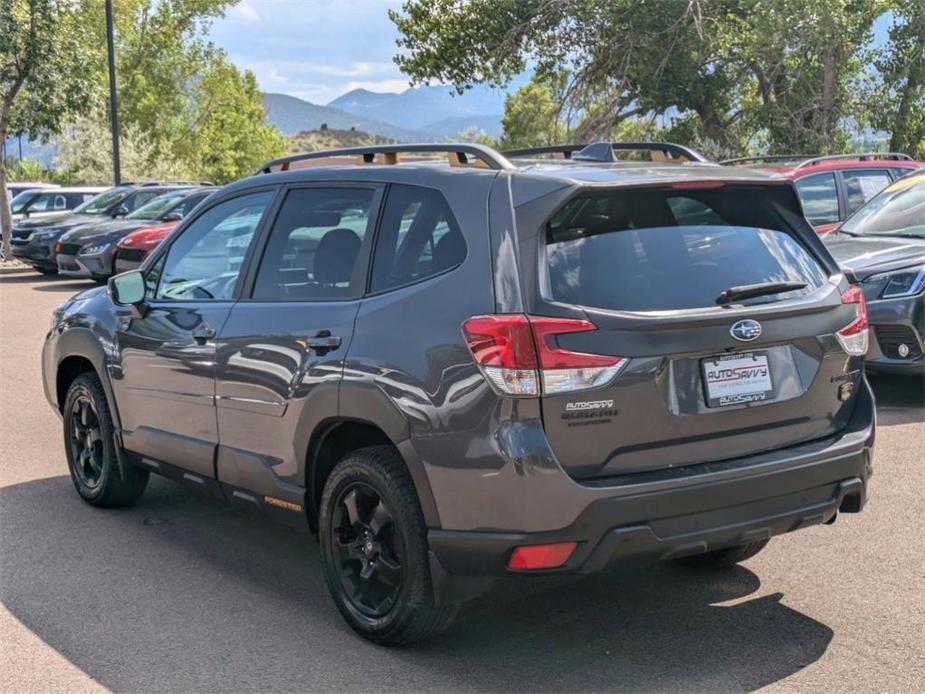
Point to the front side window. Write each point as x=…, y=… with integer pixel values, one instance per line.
x=157, y=206
x=819, y=195
x=103, y=201
x=638, y=250
x=861, y=186
x=418, y=238
x=139, y=199
x=314, y=251
x=205, y=260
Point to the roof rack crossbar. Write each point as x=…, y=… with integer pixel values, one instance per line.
x=865, y=156
x=574, y=151
x=462, y=153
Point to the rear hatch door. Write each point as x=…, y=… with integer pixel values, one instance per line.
x=703, y=378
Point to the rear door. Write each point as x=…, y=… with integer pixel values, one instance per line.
x=699, y=379
x=281, y=352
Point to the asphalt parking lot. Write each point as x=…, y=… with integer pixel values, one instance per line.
x=178, y=594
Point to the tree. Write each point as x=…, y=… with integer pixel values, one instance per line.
x=93, y=165
x=896, y=101
x=226, y=136
x=731, y=72
x=533, y=114
x=42, y=48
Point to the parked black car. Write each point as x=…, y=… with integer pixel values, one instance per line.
x=33, y=241
x=454, y=373
x=88, y=250
x=883, y=245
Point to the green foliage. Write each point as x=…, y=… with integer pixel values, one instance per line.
x=228, y=137
x=896, y=101
x=533, y=114
x=41, y=49
x=780, y=75
x=25, y=169
x=78, y=162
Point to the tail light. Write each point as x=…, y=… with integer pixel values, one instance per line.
x=853, y=337
x=519, y=355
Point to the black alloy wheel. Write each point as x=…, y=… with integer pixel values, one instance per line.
x=86, y=441
x=368, y=550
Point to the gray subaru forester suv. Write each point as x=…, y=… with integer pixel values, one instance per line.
x=455, y=365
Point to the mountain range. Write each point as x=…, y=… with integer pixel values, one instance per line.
x=418, y=113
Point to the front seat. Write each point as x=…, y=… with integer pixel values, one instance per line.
x=334, y=261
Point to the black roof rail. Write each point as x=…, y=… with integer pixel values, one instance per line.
x=459, y=155
x=565, y=150
x=866, y=156
x=146, y=184
x=604, y=151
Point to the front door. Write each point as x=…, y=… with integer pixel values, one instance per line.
x=281, y=353
x=166, y=384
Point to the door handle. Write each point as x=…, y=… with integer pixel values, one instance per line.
x=203, y=332
x=323, y=342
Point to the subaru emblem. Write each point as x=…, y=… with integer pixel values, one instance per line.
x=746, y=330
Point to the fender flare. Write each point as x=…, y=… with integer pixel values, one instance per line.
x=364, y=403
x=82, y=342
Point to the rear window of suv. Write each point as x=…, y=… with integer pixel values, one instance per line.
x=657, y=250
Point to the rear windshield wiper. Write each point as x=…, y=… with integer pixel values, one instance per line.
x=748, y=291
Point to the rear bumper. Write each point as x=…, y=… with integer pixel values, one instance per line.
x=771, y=494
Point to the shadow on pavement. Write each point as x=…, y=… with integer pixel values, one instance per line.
x=47, y=283
x=179, y=593
x=900, y=398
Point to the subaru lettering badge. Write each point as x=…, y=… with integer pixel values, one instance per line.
x=746, y=330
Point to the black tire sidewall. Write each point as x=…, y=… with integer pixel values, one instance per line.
x=89, y=386
x=358, y=467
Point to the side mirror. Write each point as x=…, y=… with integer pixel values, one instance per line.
x=120, y=211
x=128, y=289
x=172, y=217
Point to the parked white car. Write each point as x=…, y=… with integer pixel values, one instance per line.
x=14, y=188
x=36, y=203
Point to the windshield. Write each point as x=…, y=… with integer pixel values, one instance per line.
x=103, y=201
x=158, y=206
x=897, y=211
x=18, y=204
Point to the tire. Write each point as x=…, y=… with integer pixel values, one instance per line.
x=385, y=529
x=100, y=281
x=100, y=475
x=724, y=558
x=47, y=271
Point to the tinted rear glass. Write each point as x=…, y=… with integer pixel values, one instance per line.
x=652, y=250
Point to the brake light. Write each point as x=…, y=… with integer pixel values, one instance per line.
x=697, y=185
x=518, y=353
x=530, y=557
x=853, y=337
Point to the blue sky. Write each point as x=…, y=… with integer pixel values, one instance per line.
x=313, y=49
x=319, y=49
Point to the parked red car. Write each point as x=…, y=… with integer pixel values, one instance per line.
x=131, y=251
x=833, y=187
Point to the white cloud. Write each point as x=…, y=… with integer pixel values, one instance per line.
x=245, y=12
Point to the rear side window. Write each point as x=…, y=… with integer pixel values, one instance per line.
x=654, y=250
x=819, y=195
x=314, y=251
x=861, y=186
x=418, y=238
